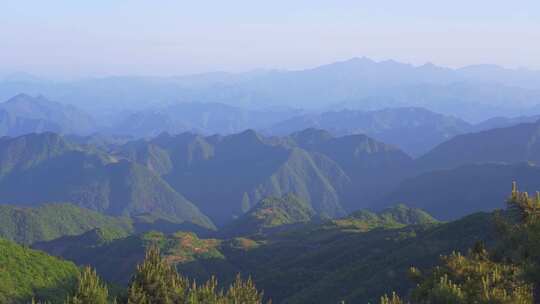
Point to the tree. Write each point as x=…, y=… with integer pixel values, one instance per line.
x=394, y=299
x=136, y=296
x=156, y=282
x=90, y=289
x=206, y=293
x=511, y=275
x=521, y=236
x=243, y=292
x=474, y=278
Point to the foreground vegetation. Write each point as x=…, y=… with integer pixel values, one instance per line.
x=156, y=282
x=354, y=259
x=507, y=275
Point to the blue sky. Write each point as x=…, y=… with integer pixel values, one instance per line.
x=168, y=37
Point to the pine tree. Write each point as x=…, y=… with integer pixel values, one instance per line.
x=90, y=289
x=136, y=296
x=474, y=278
x=156, y=282
x=207, y=293
x=521, y=237
x=395, y=299
x=243, y=292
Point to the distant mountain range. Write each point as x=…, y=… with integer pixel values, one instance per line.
x=206, y=181
x=473, y=93
x=202, y=118
x=414, y=130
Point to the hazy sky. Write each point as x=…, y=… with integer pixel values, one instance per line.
x=166, y=37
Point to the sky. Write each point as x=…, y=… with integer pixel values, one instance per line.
x=66, y=38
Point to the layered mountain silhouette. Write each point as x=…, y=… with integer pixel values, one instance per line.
x=415, y=130
x=202, y=118
x=207, y=180
x=228, y=175
x=473, y=93
x=372, y=166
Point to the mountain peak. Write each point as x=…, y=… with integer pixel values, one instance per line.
x=360, y=60
x=20, y=97
x=248, y=136
x=311, y=136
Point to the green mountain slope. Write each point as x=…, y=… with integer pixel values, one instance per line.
x=50, y=221
x=372, y=166
x=56, y=170
x=271, y=213
x=241, y=169
x=27, y=273
x=392, y=217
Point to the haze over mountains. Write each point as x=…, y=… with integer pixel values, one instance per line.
x=415, y=130
x=473, y=93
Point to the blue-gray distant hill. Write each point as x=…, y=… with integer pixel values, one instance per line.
x=202, y=118
x=518, y=143
x=471, y=172
x=415, y=130
x=23, y=114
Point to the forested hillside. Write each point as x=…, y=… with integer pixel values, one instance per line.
x=28, y=274
x=51, y=221
x=300, y=263
x=86, y=177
